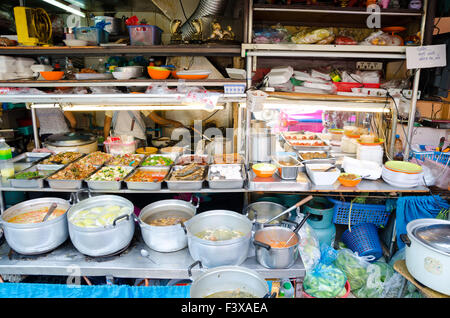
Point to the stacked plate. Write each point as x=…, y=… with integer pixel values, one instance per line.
x=402, y=174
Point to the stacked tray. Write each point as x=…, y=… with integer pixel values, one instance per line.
x=28, y=159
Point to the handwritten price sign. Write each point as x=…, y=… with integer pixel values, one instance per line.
x=426, y=56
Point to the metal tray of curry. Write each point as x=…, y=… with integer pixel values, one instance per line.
x=71, y=176
x=147, y=178
x=189, y=177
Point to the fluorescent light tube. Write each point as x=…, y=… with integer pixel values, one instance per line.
x=65, y=7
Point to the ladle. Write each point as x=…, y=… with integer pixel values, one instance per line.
x=300, y=203
x=50, y=211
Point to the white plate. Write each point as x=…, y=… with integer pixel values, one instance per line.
x=194, y=72
x=400, y=184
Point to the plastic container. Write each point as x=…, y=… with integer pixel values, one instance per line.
x=398, y=148
x=7, y=64
x=321, y=177
x=144, y=34
x=363, y=239
x=286, y=289
x=370, y=153
x=360, y=213
x=313, y=125
x=5, y=150
x=93, y=35
x=347, y=87
x=438, y=156
x=119, y=148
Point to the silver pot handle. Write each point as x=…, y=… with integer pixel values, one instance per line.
x=263, y=245
x=405, y=239
x=127, y=216
x=199, y=263
x=192, y=200
x=81, y=191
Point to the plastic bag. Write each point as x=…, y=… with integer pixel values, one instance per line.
x=274, y=34
x=327, y=254
x=353, y=266
x=325, y=281
x=345, y=40
x=315, y=36
x=309, y=248
x=378, y=275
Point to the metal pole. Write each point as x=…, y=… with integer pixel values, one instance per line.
x=35, y=129
x=393, y=128
x=250, y=21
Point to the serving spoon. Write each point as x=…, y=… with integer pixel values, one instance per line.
x=50, y=211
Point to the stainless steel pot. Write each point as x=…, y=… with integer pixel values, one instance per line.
x=260, y=212
x=78, y=142
x=114, y=28
x=427, y=253
x=277, y=257
x=227, y=278
x=166, y=238
x=219, y=253
x=35, y=238
x=107, y=240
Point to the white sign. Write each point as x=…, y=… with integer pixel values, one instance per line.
x=426, y=56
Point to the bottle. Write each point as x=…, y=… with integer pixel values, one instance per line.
x=57, y=67
x=398, y=148
x=151, y=62
x=286, y=289
x=6, y=166
x=69, y=71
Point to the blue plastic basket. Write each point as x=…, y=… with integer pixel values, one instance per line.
x=360, y=213
x=441, y=157
x=364, y=240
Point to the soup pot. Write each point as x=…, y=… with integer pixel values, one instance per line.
x=102, y=240
x=219, y=253
x=260, y=212
x=35, y=238
x=169, y=238
x=227, y=278
x=278, y=257
x=427, y=253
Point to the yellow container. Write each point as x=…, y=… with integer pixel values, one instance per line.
x=147, y=150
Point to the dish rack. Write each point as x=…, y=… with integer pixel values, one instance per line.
x=360, y=213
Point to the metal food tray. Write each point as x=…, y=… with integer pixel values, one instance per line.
x=67, y=184
x=205, y=157
x=142, y=156
x=65, y=164
x=185, y=184
x=107, y=185
x=288, y=172
x=275, y=183
x=34, y=183
x=150, y=186
x=171, y=156
x=227, y=184
x=327, y=146
x=23, y=161
x=284, y=134
x=329, y=157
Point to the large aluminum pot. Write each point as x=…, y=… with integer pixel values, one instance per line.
x=35, y=238
x=219, y=253
x=165, y=238
x=262, y=211
x=427, y=253
x=228, y=278
x=107, y=240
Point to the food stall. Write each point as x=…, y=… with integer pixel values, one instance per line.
x=322, y=155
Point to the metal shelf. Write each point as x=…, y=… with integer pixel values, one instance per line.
x=114, y=82
x=154, y=50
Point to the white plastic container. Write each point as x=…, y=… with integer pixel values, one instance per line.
x=368, y=169
x=320, y=177
x=348, y=145
x=370, y=153
x=23, y=64
x=7, y=64
x=281, y=75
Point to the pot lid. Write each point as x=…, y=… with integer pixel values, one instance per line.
x=70, y=139
x=436, y=236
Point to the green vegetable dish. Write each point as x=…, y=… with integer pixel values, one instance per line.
x=158, y=161
x=32, y=175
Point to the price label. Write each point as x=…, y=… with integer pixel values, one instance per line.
x=426, y=56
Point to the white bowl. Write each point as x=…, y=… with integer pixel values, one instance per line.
x=122, y=75
x=400, y=176
x=75, y=42
x=407, y=184
x=322, y=178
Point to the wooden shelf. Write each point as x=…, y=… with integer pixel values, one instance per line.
x=154, y=50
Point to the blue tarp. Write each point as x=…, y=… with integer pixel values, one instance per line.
x=36, y=290
x=416, y=207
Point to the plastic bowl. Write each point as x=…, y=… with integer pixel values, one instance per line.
x=75, y=42
x=147, y=150
x=52, y=75
x=348, y=183
x=347, y=288
x=158, y=72
x=264, y=170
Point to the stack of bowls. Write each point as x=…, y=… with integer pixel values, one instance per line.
x=402, y=174
x=127, y=72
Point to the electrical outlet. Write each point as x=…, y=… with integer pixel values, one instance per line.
x=369, y=66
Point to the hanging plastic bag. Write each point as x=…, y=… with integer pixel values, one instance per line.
x=324, y=36
x=309, y=248
x=325, y=281
x=354, y=266
x=327, y=254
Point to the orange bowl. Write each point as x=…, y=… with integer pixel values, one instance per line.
x=348, y=183
x=52, y=75
x=158, y=73
x=264, y=170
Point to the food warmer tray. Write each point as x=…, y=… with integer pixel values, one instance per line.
x=107, y=185
x=149, y=186
x=28, y=159
x=68, y=184
x=275, y=183
x=185, y=184
x=171, y=156
x=205, y=159
x=329, y=159
x=37, y=182
x=227, y=184
x=142, y=156
x=327, y=146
